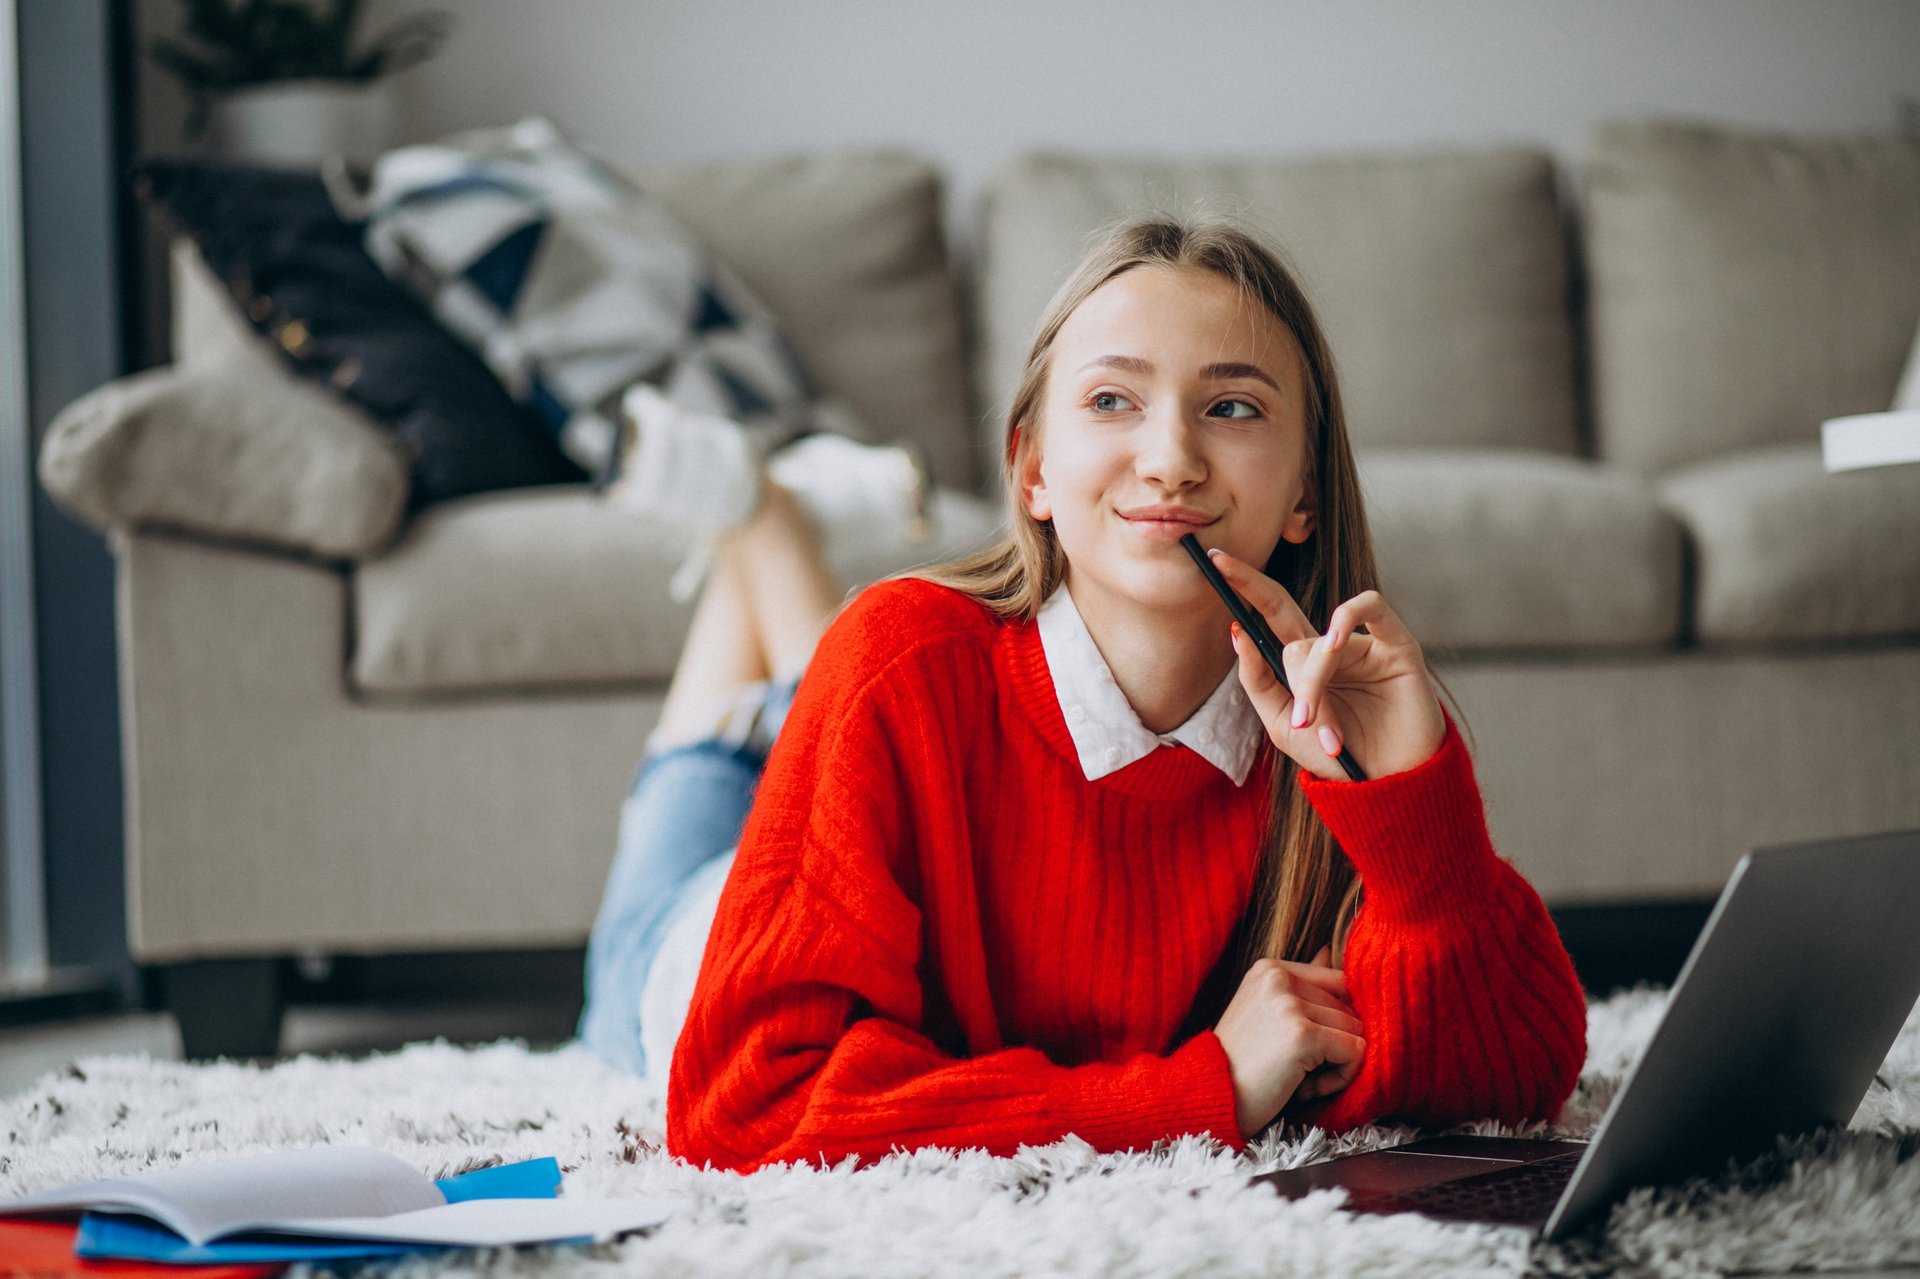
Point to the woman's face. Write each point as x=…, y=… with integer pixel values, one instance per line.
x=1174, y=404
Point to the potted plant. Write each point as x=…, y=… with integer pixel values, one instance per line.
x=284, y=80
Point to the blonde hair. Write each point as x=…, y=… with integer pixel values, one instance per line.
x=1307, y=892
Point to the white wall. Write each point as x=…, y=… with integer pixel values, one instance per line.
x=968, y=83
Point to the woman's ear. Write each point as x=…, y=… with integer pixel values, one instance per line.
x=1033, y=486
x=1301, y=521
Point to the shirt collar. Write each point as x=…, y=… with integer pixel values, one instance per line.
x=1107, y=733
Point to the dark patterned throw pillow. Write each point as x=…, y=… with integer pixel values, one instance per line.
x=302, y=277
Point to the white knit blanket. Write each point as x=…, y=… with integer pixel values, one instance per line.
x=1849, y=1201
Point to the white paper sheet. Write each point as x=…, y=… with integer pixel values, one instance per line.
x=216, y=1197
x=489, y=1223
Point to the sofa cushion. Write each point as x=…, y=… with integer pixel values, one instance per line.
x=1745, y=286
x=1506, y=550
x=846, y=249
x=553, y=587
x=545, y=587
x=242, y=454
x=1787, y=551
x=1441, y=279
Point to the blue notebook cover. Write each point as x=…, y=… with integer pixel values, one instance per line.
x=137, y=1239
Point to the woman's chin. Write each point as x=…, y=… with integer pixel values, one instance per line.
x=1169, y=583
x=1148, y=573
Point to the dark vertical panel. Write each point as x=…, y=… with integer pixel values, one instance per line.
x=70, y=157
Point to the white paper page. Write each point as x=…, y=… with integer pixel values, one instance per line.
x=1870, y=439
x=1907, y=394
x=489, y=1223
x=215, y=1197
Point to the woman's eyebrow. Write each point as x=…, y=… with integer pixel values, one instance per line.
x=1217, y=372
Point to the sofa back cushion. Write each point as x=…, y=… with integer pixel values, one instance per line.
x=1440, y=278
x=1744, y=286
x=846, y=249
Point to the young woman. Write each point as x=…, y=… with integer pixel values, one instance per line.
x=1042, y=846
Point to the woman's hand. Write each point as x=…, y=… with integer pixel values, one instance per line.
x=1368, y=690
x=1290, y=1034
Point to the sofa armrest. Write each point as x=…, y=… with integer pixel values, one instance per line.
x=229, y=454
x=1788, y=552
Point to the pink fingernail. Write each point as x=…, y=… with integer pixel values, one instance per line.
x=1329, y=741
x=1300, y=716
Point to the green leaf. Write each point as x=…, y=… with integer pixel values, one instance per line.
x=231, y=43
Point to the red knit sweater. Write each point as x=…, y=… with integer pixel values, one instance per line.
x=937, y=932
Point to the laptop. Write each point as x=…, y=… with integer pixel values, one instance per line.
x=1785, y=1009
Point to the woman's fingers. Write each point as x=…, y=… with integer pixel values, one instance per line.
x=1340, y=1048
x=1342, y=648
x=1309, y=658
x=1275, y=706
x=1369, y=608
x=1330, y=1078
x=1328, y=687
x=1332, y=1018
x=1319, y=997
x=1316, y=731
x=1331, y=980
x=1319, y=661
x=1271, y=700
x=1319, y=1083
x=1268, y=598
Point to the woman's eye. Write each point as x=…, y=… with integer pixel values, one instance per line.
x=1251, y=410
x=1101, y=405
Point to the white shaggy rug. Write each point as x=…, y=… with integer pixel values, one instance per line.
x=1846, y=1202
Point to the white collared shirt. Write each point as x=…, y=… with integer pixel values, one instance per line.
x=1107, y=733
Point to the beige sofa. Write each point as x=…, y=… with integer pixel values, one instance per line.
x=1588, y=429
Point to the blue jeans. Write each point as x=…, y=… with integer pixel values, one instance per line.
x=686, y=809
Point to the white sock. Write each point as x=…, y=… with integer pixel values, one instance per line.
x=699, y=472
x=875, y=508
x=855, y=490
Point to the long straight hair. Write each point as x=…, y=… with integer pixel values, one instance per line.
x=1308, y=891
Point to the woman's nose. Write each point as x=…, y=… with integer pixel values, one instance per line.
x=1169, y=451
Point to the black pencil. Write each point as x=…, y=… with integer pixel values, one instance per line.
x=1265, y=642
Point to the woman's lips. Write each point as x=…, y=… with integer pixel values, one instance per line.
x=1165, y=526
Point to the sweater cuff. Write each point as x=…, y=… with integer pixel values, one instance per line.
x=1222, y=1118
x=1418, y=839
x=1156, y=1098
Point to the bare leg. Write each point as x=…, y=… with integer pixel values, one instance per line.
x=722, y=651
x=767, y=599
x=792, y=594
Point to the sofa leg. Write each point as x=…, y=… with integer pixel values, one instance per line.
x=226, y=1007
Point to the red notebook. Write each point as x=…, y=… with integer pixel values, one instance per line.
x=44, y=1250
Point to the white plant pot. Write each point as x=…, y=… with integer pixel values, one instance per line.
x=303, y=121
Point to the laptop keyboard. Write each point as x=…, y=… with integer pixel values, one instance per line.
x=1524, y=1194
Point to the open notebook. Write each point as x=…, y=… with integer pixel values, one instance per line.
x=343, y=1194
